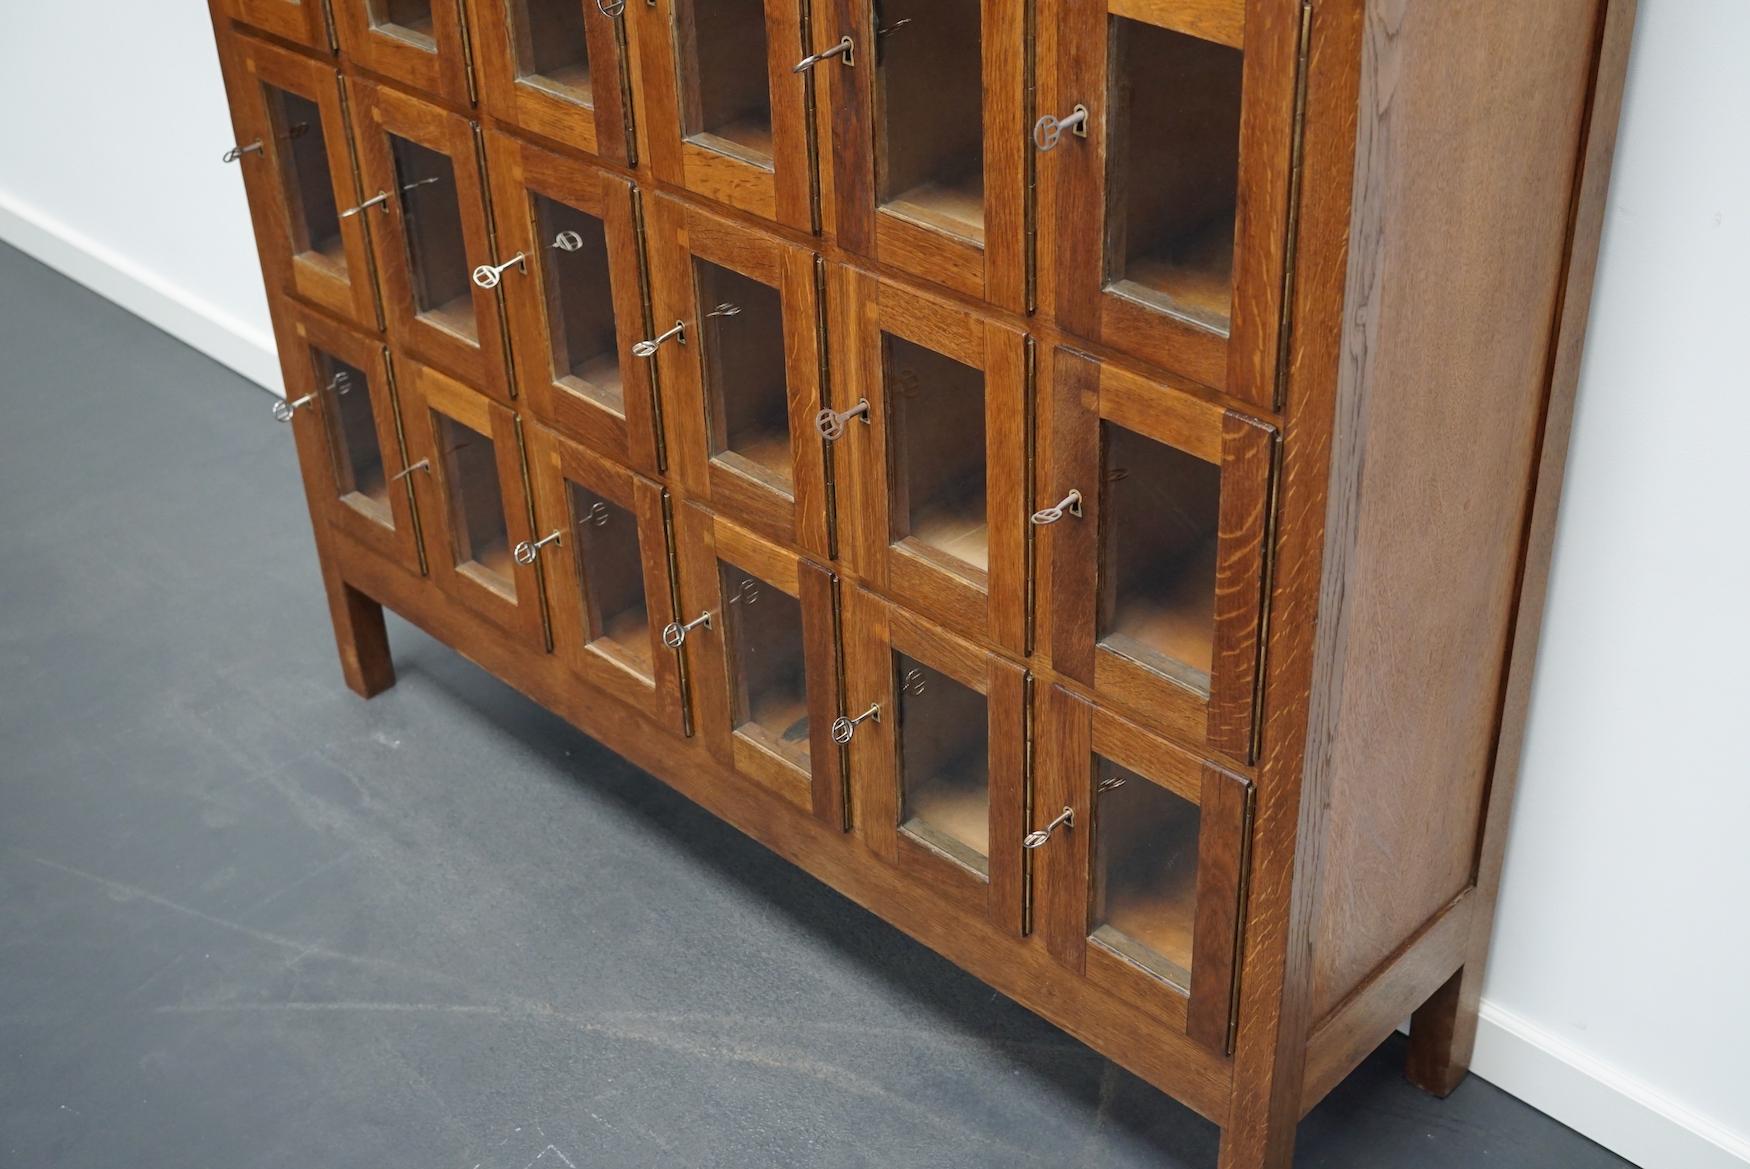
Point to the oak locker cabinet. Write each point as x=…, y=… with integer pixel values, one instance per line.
x=1076, y=476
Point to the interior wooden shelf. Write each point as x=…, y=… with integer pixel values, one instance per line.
x=954, y=208
x=1172, y=627
x=953, y=817
x=455, y=315
x=570, y=82
x=1190, y=277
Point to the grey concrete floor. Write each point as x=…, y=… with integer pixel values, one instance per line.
x=247, y=919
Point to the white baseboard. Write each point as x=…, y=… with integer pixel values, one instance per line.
x=1601, y=1102
x=236, y=343
x=1595, y=1099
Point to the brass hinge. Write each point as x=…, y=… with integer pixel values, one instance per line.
x=401, y=445
x=328, y=28
x=1291, y=243
x=823, y=353
x=492, y=247
x=1030, y=425
x=358, y=194
x=682, y=677
x=467, y=53
x=1031, y=213
x=1233, y=1008
x=1027, y=802
x=1266, y=587
x=812, y=131
x=627, y=109
x=838, y=652
x=647, y=328
x=522, y=450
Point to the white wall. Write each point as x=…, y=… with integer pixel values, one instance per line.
x=1616, y=1000
x=114, y=122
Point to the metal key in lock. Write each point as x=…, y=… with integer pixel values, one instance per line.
x=1048, y=131
x=679, y=332
x=489, y=275
x=844, y=729
x=1065, y=819
x=831, y=423
x=1070, y=505
x=675, y=634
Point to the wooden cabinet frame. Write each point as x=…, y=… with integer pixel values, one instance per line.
x=553, y=463
x=599, y=127
x=316, y=423
x=1075, y=224
x=779, y=188
x=347, y=288
x=1071, y=733
x=991, y=603
x=874, y=631
x=705, y=542
x=304, y=22
x=430, y=396
x=796, y=513
x=520, y=173
x=434, y=61
x=1083, y=395
x=382, y=112
x=991, y=267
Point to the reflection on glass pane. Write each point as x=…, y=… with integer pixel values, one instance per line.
x=1175, y=108
x=437, y=254
x=552, y=50
x=745, y=387
x=408, y=19
x=944, y=764
x=356, y=455
x=477, y=525
x=769, y=691
x=610, y=571
x=722, y=50
x=580, y=302
x=937, y=435
x=1159, y=540
x=1145, y=871
x=931, y=82
x=296, y=122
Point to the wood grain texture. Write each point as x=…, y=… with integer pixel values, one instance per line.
x=594, y=123
x=476, y=355
x=342, y=283
x=1226, y=814
x=1453, y=295
x=1443, y=1033
x=304, y=23
x=433, y=60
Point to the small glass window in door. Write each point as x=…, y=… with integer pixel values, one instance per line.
x=936, y=407
x=726, y=98
x=931, y=101
x=768, y=685
x=355, y=453
x=580, y=302
x=481, y=542
x=552, y=47
x=408, y=19
x=746, y=389
x=313, y=218
x=1145, y=871
x=944, y=763
x=437, y=252
x=610, y=570
x=1159, y=538
x=1174, y=171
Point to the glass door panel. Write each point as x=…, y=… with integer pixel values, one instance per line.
x=765, y=645
x=356, y=454
x=1145, y=872
x=1173, y=171
x=583, y=335
x=726, y=101
x=930, y=145
x=479, y=537
x=1158, y=548
x=410, y=20
x=437, y=250
x=312, y=216
x=937, y=410
x=610, y=572
x=746, y=382
x=550, y=45
x=944, y=751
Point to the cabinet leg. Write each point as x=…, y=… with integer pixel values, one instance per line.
x=362, y=638
x=1443, y=1034
x=1254, y=1150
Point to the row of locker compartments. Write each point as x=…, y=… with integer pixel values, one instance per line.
x=850, y=707
x=1133, y=561
x=1154, y=277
